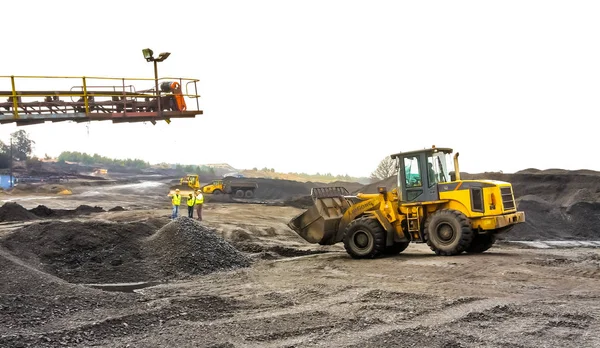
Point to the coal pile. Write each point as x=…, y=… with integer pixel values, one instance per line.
x=303, y=202
x=31, y=299
x=185, y=247
x=14, y=212
x=547, y=221
x=83, y=252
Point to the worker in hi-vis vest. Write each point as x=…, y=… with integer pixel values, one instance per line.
x=176, y=201
x=191, y=201
x=199, y=203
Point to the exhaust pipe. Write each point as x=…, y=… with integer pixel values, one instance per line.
x=456, y=168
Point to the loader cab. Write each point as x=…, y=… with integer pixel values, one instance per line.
x=420, y=171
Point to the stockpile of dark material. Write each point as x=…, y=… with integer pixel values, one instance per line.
x=302, y=202
x=107, y=252
x=83, y=252
x=14, y=212
x=185, y=247
x=558, y=204
x=44, y=211
x=30, y=299
x=288, y=189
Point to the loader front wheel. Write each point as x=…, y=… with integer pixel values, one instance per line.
x=481, y=243
x=364, y=238
x=396, y=249
x=448, y=232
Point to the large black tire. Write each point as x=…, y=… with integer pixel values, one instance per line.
x=217, y=192
x=448, y=232
x=396, y=249
x=249, y=194
x=239, y=193
x=481, y=243
x=364, y=238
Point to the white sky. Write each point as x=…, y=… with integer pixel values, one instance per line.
x=329, y=86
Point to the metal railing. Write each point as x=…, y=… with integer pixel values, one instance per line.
x=88, y=95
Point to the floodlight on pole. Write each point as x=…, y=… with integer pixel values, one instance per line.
x=149, y=56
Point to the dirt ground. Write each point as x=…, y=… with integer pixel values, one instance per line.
x=293, y=294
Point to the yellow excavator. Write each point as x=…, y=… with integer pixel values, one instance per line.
x=429, y=206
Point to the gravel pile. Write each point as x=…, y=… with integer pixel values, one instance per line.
x=185, y=247
x=14, y=212
x=83, y=251
x=30, y=299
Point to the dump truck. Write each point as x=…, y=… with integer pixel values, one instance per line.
x=237, y=187
x=431, y=205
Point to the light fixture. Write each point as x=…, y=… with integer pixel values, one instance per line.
x=148, y=54
x=163, y=56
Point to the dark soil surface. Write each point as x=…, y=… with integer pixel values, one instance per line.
x=107, y=252
x=83, y=252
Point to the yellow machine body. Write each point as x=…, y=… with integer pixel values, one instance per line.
x=450, y=216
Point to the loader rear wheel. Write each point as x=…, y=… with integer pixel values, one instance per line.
x=448, y=232
x=364, y=238
x=217, y=192
x=396, y=249
x=481, y=243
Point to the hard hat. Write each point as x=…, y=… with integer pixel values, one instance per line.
x=177, y=190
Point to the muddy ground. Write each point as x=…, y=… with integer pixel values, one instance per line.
x=277, y=290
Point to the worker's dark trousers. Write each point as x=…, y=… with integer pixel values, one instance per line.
x=191, y=211
x=199, y=211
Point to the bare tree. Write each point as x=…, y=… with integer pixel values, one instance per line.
x=385, y=169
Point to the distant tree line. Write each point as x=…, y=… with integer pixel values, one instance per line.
x=192, y=169
x=84, y=158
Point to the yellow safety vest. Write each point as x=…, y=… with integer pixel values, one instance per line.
x=200, y=199
x=191, y=201
x=176, y=200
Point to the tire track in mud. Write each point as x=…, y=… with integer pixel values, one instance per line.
x=344, y=337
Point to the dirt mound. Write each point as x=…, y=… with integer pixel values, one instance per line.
x=45, y=212
x=14, y=212
x=303, y=202
x=282, y=189
x=546, y=221
x=117, y=208
x=83, y=252
x=185, y=247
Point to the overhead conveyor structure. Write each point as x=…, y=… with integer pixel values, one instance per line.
x=82, y=99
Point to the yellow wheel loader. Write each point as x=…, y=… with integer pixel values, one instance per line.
x=188, y=184
x=428, y=206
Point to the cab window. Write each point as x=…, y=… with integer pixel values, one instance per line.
x=412, y=172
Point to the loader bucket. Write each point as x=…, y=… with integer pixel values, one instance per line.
x=319, y=224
